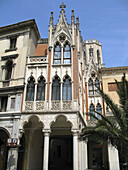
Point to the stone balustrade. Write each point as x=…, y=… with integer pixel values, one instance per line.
x=55, y=105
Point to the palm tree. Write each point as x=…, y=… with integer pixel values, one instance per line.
x=113, y=129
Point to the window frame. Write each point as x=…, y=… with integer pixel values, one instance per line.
x=56, y=89
x=59, y=52
x=30, y=89
x=40, y=95
x=66, y=51
x=67, y=89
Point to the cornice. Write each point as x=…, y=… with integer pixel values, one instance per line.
x=124, y=68
x=21, y=25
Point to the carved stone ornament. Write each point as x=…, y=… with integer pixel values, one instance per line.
x=28, y=105
x=62, y=38
x=67, y=105
x=39, y=105
x=55, y=105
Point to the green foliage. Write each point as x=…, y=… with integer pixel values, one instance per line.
x=113, y=129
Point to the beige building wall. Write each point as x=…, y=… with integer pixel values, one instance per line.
x=109, y=75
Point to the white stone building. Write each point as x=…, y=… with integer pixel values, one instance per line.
x=46, y=89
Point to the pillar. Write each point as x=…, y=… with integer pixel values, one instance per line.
x=75, y=150
x=113, y=158
x=46, y=149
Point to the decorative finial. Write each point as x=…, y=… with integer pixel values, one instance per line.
x=62, y=6
x=51, y=19
x=73, y=17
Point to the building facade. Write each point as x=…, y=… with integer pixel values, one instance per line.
x=47, y=87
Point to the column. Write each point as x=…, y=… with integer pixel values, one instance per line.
x=75, y=150
x=12, y=158
x=85, y=155
x=113, y=158
x=46, y=149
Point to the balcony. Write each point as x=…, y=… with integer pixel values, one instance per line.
x=37, y=59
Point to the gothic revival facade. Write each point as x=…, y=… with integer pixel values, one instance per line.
x=47, y=87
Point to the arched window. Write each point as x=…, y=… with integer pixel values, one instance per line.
x=30, y=89
x=85, y=59
x=8, y=70
x=57, y=54
x=67, y=90
x=91, y=52
x=97, y=85
x=90, y=87
x=56, y=89
x=67, y=54
x=92, y=110
x=99, y=109
x=41, y=89
x=98, y=57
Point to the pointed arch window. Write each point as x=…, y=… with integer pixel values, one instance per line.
x=90, y=87
x=67, y=54
x=92, y=110
x=41, y=89
x=30, y=89
x=57, y=54
x=8, y=74
x=97, y=85
x=56, y=89
x=91, y=52
x=99, y=109
x=98, y=57
x=67, y=90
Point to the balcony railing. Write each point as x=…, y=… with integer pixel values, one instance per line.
x=55, y=105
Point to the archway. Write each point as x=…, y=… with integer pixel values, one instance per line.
x=32, y=145
x=61, y=145
x=3, y=148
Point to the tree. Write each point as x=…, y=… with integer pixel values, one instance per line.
x=113, y=129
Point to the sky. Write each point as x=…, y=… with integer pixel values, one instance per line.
x=103, y=20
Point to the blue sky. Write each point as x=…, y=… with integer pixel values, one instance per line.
x=103, y=20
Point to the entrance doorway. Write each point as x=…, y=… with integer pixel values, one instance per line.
x=97, y=156
x=61, y=145
x=3, y=149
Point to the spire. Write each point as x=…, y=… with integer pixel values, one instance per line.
x=51, y=19
x=77, y=23
x=73, y=17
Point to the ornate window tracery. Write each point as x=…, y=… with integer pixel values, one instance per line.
x=57, y=54
x=30, y=89
x=41, y=89
x=90, y=87
x=99, y=109
x=67, y=90
x=97, y=85
x=56, y=88
x=92, y=110
x=67, y=54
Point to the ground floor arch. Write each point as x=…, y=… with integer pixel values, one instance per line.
x=31, y=145
x=61, y=145
x=4, y=135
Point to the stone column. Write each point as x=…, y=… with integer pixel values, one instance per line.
x=85, y=155
x=46, y=149
x=75, y=150
x=12, y=158
x=113, y=158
